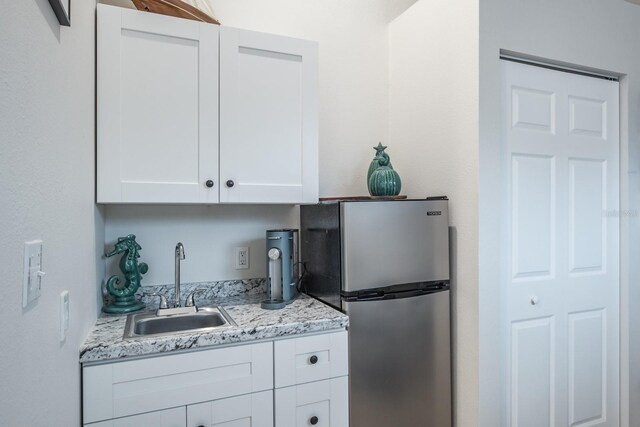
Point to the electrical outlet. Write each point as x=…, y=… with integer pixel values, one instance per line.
x=242, y=258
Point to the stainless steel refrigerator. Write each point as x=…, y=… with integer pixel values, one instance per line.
x=386, y=264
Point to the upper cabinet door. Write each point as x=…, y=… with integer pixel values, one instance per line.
x=268, y=118
x=157, y=100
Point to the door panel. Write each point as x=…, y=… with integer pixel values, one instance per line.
x=373, y=246
x=136, y=386
x=250, y=410
x=533, y=230
x=587, y=224
x=587, y=368
x=157, y=108
x=268, y=110
x=399, y=362
x=532, y=377
x=320, y=403
x=534, y=110
x=561, y=288
x=175, y=417
x=307, y=359
x=588, y=117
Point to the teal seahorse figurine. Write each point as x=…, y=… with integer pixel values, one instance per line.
x=125, y=296
x=374, y=163
x=384, y=181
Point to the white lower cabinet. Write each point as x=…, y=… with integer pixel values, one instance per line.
x=174, y=417
x=225, y=387
x=311, y=358
x=132, y=387
x=321, y=404
x=250, y=410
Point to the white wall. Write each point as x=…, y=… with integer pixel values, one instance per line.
x=353, y=42
x=47, y=136
x=433, y=122
x=588, y=33
x=209, y=235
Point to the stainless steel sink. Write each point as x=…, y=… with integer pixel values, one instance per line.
x=203, y=320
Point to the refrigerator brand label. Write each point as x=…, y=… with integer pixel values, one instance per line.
x=432, y=213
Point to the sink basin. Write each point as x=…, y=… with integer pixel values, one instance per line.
x=203, y=320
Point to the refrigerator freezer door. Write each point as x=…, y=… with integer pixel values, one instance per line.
x=399, y=367
x=387, y=243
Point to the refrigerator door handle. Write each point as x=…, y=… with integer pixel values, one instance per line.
x=401, y=290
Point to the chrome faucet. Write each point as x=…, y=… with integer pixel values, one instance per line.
x=179, y=256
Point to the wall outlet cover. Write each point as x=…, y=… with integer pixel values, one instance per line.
x=242, y=258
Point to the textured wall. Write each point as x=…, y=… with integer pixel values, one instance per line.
x=433, y=127
x=588, y=33
x=47, y=136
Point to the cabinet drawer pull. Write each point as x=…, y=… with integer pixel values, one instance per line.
x=230, y=183
x=313, y=359
x=313, y=420
x=209, y=183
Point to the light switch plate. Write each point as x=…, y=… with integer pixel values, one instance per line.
x=64, y=314
x=33, y=274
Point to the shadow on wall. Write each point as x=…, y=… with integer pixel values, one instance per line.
x=49, y=17
x=453, y=266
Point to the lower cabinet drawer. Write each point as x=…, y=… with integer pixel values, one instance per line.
x=320, y=404
x=138, y=386
x=255, y=410
x=174, y=417
x=313, y=358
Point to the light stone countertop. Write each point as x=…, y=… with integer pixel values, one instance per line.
x=105, y=342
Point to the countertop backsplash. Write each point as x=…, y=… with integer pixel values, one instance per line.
x=215, y=290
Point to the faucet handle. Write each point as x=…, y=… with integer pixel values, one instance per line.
x=190, y=301
x=163, y=300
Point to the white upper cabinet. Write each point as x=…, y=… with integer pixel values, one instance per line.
x=160, y=101
x=157, y=106
x=268, y=118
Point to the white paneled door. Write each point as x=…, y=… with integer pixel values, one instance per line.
x=561, y=282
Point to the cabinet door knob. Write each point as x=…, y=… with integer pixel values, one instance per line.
x=534, y=300
x=313, y=359
x=209, y=183
x=313, y=420
x=230, y=183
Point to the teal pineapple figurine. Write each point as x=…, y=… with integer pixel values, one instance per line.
x=374, y=163
x=384, y=181
x=124, y=296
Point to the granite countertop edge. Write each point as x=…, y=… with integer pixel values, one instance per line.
x=105, y=342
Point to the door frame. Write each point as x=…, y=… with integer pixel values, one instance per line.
x=492, y=206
